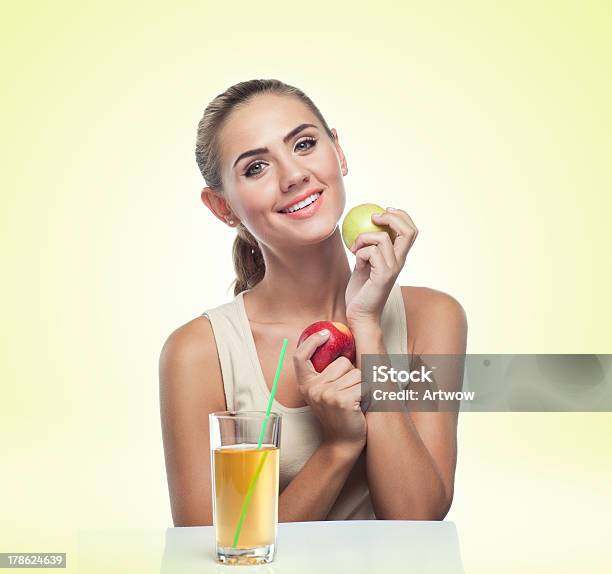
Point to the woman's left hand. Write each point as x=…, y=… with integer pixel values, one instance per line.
x=379, y=262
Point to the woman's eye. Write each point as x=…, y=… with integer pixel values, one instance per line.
x=311, y=141
x=250, y=173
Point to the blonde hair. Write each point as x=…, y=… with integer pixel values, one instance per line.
x=248, y=260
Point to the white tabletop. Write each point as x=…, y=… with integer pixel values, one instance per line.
x=353, y=546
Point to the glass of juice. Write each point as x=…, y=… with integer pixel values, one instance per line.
x=245, y=485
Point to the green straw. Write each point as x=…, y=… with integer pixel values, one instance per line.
x=262, y=460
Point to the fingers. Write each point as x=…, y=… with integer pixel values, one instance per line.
x=337, y=369
x=342, y=391
x=396, y=219
x=301, y=355
x=372, y=255
x=395, y=251
x=346, y=397
x=353, y=377
x=383, y=241
x=405, y=229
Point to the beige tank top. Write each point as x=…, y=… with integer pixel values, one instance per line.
x=246, y=390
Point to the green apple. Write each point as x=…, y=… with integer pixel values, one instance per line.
x=359, y=220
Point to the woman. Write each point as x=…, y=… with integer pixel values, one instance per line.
x=262, y=148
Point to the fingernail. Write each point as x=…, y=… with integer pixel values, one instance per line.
x=390, y=208
x=324, y=332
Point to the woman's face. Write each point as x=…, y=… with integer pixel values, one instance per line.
x=267, y=166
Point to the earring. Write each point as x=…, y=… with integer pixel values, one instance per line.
x=230, y=221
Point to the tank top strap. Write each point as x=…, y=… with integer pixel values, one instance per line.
x=240, y=367
x=393, y=323
x=229, y=340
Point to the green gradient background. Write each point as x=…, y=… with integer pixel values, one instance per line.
x=491, y=125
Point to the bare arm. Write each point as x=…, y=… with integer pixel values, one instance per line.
x=313, y=491
x=411, y=457
x=191, y=387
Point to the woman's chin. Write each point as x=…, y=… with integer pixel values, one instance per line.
x=312, y=234
x=310, y=230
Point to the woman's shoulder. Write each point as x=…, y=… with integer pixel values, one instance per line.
x=433, y=318
x=189, y=368
x=424, y=300
x=190, y=345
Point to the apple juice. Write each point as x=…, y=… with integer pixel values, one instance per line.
x=235, y=467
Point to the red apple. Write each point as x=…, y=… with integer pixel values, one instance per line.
x=340, y=343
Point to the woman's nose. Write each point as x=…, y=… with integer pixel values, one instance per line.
x=293, y=176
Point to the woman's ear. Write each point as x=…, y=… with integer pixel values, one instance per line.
x=219, y=206
x=340, y=152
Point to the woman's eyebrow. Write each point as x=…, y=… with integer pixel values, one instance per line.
x=259, y=150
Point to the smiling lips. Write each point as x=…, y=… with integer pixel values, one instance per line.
x=300, y=204
x=304, y=208
x=301, y=197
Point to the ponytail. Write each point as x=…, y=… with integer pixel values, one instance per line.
x=248, y=261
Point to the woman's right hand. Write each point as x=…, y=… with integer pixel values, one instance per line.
x=333, y=394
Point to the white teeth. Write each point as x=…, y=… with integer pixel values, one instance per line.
x=310, y=199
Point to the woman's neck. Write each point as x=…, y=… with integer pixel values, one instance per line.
x=307, y=286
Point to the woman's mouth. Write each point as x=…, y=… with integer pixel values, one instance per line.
x=305, y=208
